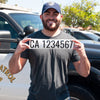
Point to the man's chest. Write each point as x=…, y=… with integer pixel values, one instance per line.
x=61, y=54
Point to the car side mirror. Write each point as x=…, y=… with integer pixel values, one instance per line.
x=4, y=36
x=28, y=30
x=7, y=44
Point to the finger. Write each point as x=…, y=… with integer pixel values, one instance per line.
x=77, y=46
x=27, y=46
x=25, y=40
x=76, y=41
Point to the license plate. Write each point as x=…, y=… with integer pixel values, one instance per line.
x=51, y=44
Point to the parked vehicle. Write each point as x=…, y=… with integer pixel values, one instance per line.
x=82, y=35
x=86, y=88
x=90, y=86
x=15, y=24
x=88, y=43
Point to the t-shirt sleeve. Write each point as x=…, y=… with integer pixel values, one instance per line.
x=25, y=54
x=75, y=57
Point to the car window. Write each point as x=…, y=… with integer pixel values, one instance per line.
x=93, y=36
x=27, y=19
x=98, y=34
x=4, y=25
x=78, y=35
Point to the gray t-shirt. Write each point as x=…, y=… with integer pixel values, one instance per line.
x=49, y=68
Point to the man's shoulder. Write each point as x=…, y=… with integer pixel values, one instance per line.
x=35, y=34
x=66, y=35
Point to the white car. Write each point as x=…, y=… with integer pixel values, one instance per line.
x=14, y=22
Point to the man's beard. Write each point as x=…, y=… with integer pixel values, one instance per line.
x=49, y=28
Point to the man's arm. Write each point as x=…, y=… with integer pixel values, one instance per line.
x=17, y=63
x=83, y=65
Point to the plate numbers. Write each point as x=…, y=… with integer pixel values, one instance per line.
x=51, y=44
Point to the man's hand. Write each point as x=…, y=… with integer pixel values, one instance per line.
x=79, y=47
x=82, y=66
x=16, y=63
x=22, y=46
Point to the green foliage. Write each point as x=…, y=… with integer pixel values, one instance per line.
x=81, y=14
x=3, y=1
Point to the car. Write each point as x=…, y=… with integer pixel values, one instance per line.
x=87, y=85
x=82, y=35
x=86, y=88
x=15, y=23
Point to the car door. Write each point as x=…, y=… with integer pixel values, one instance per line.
x=12, y=87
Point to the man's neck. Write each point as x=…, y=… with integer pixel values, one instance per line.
x=51, y=33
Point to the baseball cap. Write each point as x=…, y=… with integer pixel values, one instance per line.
x=49, y=5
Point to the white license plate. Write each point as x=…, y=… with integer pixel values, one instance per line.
x=51, y=44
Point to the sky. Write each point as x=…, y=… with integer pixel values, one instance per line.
x=36, y=5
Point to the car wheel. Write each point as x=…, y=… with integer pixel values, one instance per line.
x=80, y=93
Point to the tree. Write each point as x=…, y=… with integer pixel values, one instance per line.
x=3, y=1
x=97, y=23
x=80, y=14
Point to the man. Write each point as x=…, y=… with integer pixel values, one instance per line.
x=49, y=66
